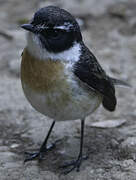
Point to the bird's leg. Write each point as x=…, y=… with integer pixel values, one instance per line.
x=76, y=163
x=44, y=148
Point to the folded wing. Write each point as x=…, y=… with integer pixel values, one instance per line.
x=89, y=71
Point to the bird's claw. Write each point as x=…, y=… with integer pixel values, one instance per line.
x=31, y=156
x=40, y=154
x=75, y=164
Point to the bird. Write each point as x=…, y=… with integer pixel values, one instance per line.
x=60, y=76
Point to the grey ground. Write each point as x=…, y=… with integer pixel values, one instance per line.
x=109, y=29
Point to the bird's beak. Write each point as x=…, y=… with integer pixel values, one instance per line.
x=28, y=27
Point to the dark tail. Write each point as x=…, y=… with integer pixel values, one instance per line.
x=120, y=82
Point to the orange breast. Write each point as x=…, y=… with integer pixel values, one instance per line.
x=41, y=75
x=53, y=92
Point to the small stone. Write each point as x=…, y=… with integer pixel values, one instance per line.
x=109, y=123
x=114, y=143
x=14, y=67
x=128, y=163
x=14, y=146
x=129, y=144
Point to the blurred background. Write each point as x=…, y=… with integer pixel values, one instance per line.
x=109, y=30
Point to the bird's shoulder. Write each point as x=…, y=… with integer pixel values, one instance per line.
x=90, y=72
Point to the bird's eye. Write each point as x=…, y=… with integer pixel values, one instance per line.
x=52, y=33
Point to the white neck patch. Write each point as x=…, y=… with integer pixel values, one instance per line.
x=35, y=48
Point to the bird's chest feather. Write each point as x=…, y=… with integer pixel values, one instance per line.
x=41, y=75
x=52, y=89
x=45, y=83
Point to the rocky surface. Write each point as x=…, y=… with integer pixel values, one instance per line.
x=109, y=29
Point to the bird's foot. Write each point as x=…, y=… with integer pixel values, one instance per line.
x=32, y=156
x=40, y=154
x=75, y=164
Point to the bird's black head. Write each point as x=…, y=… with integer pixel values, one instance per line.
x=56, y=29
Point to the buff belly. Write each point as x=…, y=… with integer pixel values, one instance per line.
x=55, y=93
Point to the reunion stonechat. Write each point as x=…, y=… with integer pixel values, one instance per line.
x=60, y=76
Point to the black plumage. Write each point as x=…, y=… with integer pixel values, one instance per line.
x=89, y=71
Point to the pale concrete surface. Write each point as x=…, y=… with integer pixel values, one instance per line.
x=109, y=29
